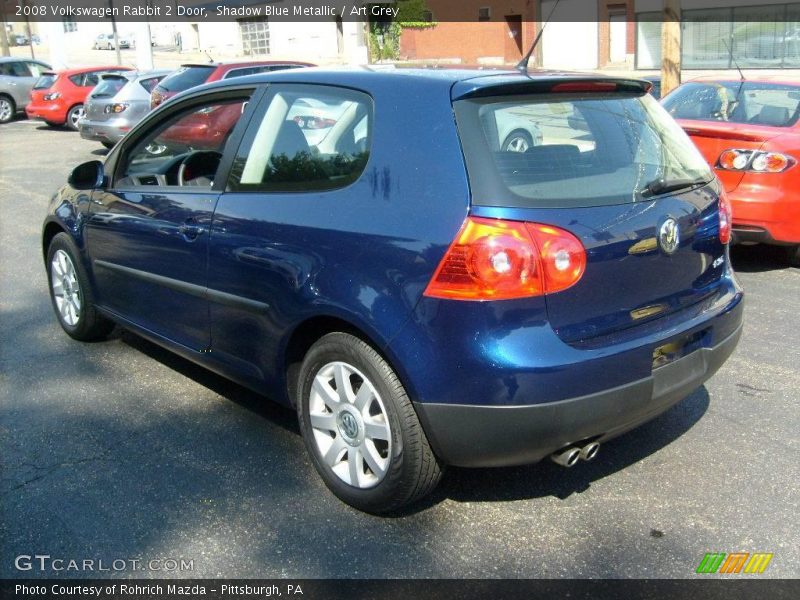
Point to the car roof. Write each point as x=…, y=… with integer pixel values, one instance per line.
x=247, y=63
x=5, y=59
x=464, y=82
x=80, y=70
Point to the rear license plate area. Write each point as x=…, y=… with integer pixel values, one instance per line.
x=680, y=347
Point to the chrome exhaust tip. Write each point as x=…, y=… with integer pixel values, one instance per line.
x=589, y=451
x=566, y=457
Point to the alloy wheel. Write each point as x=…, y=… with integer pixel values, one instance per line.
x=6, y=112
x=350, y=425
x=66, y=289
x=76, y=115
x=517, y=144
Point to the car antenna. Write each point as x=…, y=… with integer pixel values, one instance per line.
x=522, y=66
x=210, y=58
x=733, y=58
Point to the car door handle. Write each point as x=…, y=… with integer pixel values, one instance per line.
x=190, y=230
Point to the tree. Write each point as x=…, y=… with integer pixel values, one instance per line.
x=671, y=46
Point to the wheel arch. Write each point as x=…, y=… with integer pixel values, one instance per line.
x=308, y=331
x=51, y=230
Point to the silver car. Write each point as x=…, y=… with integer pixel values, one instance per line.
x=118, y=102
x=17, y=76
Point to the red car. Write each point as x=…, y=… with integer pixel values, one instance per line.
x=58, y=97
x=748, y=132
x=191, y=75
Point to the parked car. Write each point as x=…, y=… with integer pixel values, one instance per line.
x=58, y=97
x=748, y=132
x=191, y=75
x=17, y=78
x=106, y=41
x=655, y=80
x=19, y=39
x=118, y=102
x=481, y=309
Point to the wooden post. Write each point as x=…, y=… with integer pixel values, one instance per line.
x=671, y=46
x=4, y=51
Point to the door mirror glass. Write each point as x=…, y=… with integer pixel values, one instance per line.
x=88, y=176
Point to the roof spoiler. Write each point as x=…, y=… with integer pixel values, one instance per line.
x=510, y=86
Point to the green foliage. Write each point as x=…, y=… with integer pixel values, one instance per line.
x=384, y=36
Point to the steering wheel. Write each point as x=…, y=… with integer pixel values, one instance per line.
x=198, y=168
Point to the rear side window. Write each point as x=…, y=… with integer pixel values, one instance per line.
x=14, y=69
x=245, y=71
x=772, y=104
x=185, y=78
x=570, y=150
x=308, y=138
x=149, y=83
x=45, y=81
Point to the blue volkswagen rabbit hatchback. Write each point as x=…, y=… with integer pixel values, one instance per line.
x=368, y=247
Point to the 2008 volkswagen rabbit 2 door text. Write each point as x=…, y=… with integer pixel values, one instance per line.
x=422, y=295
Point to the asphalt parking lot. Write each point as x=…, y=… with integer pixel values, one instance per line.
x=120, y=450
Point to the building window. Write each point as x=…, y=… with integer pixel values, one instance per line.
x=70, y=26
x=255, y=36
x=720, y=38
x=484, y=13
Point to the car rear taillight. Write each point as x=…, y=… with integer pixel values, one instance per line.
x=52, y=96
x=725, y=218
x=571, y=87
x=757, y=161
x=310, y=122
x=116, y=108
x=495, y=259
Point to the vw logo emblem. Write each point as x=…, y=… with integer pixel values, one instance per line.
x=349, y=425
x=669, y=236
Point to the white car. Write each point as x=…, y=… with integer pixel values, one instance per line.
x=105, y=41
x=516, y=129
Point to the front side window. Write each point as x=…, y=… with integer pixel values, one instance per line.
x=772, y=104
x=308, y=138
x=185, y=151
x=583, y=150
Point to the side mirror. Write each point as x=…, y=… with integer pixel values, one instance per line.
x=88, y=176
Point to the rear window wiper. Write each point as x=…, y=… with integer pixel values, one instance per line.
x=663, y=186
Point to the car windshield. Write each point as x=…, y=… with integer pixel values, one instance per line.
x=570, y=150
x=185, y=78
x=109, y=86
x=45, y=81
x=772, y=104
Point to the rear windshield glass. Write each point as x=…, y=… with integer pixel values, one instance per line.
x=151, y=82
x=773, y=104
x=185, y=78
x=560, y=150
x=45, y=81
x=109, y=86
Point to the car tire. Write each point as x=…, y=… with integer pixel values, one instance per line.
x=71, y=294
x=517, y=141
x=388, y=454
x=794, y=255
x=7, y=109
x=74, y=115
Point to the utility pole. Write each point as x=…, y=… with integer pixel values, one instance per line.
x=4, y=50
x=114, y=31
x=671, y=46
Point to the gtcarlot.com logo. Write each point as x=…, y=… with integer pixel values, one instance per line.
x=46, y=563
x=734, y=563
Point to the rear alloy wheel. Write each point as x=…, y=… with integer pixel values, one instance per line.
x=75, y=114
x=360, y=428
x=517, y=141
x=72, y=297
x=7, y=109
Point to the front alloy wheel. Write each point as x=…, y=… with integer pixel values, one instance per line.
x=6, y=110
x=71, y=293
x=66, y=289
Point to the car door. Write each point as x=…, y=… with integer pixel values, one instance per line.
x=17, y=80
x=148, y=233
x=280, y=221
